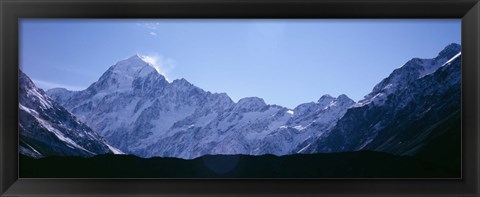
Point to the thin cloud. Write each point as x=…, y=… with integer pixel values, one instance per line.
x=162, y=64
x=151, y=26
x=46, y=85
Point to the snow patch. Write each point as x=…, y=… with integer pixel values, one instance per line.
x=365, y=144
x=33, y=149
x=115, y=150
x=303, y=149
x=47, y=125
x=452, y=59
x=299, y=127
x=28, y=110
x=44, y=102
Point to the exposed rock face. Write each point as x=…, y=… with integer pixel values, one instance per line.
x=48, y=129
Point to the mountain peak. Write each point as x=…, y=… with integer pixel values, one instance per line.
x=120, y=76
x=449, y=51
x=181, y=83
x=135, y=57
x=251, y=100
x=134, y=66
x=325, y=97
x=24, y=80
x=251, y=103
x=410, y=71
x=344, y=99
x=325, y=100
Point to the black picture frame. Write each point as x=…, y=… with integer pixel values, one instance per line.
x=12, y=10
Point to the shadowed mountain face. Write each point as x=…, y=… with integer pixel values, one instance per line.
x=47, y=129
x=404, y=119
x=137, y=110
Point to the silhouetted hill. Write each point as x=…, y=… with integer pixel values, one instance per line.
x=362, y=164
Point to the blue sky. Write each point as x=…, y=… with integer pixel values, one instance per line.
x=285, y=62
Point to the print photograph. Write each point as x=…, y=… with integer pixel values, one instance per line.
x=240, y=98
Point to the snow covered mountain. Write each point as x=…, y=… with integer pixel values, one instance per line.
x=404, y=112
x=309, y=121
x=412, y=70
x=137, y=110
x=47, y=129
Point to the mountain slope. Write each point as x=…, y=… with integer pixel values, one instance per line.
x=405, y=118
x=47, y=129
x=414, y=69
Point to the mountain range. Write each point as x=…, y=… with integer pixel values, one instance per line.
x=136, y=110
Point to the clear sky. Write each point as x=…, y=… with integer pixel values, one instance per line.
x=285, y=62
